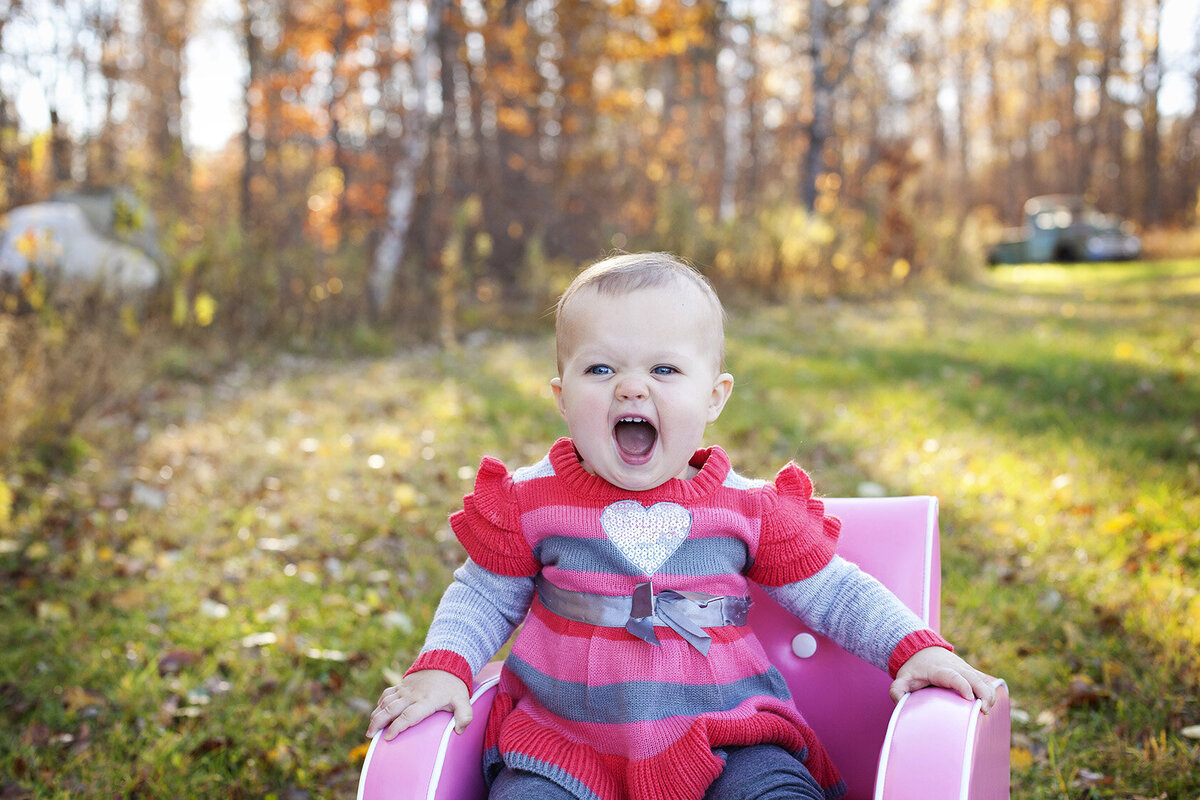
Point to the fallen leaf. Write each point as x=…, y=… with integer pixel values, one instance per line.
x=210, y=745
x=176, y=661
x=359, y=753
x=14, y=701
x=82, y=739
x=129, y=599
x=1087, y=778
x=213, y=609
x=36, y=735
x=172, y=709
x=77, y=698
x=259, y=639
x=1020, y=758
x=1084, y=693
x=282, y=756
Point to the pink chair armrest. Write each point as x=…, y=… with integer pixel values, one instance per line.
x=429, y=761
x=945, y=745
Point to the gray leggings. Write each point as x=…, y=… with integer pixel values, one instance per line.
x=760, y=772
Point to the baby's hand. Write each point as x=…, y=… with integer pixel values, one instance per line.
x=416, y=697
x=936, y=666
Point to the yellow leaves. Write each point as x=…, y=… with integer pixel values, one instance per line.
x=358, y=753
x=129, y=321
x=27, y=245
x=179, y=307
x=405, y=495
x=39, y=246
x=6, y=504
x=1021, y=758
x=1119, y=524
x=37, y=551
x=201, y=310
x=204, y=309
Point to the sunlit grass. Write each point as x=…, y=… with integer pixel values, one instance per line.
x=212, y=604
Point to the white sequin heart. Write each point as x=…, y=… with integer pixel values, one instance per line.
x=647, y=537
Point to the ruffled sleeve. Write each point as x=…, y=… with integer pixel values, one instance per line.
x=489, y=525
x=797, y=538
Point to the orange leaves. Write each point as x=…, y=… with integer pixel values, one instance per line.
x=515, y=120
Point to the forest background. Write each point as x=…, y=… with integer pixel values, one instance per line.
x=397, y=160
x=406, y=177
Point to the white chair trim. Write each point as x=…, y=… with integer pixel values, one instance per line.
x=362, y=775
x=930, y=539
x=886, y=750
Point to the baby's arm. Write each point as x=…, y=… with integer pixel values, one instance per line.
x=859, y=613
x=475, y=617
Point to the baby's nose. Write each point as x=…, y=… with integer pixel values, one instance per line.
x=631, y=389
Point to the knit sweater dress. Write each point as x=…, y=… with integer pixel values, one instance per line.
x=597, y=710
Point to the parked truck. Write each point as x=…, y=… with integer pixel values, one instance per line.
x=1063, y=228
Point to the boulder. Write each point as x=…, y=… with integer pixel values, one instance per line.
x=56, y=239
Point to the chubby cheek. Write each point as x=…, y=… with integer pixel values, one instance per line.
x=581, y=412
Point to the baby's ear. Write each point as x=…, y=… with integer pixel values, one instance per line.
x=722, y=389
x=556, y=387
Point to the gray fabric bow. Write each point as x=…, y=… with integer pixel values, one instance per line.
x=686, y=613
x=679, y=611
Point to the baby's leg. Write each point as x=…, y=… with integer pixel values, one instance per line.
x=512, y=784
x=764, y=772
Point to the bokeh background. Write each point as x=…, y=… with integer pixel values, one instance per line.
x=333, y=230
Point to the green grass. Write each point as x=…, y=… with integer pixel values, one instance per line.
x=210, y=606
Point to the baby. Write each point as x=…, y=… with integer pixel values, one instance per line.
x=628, y=551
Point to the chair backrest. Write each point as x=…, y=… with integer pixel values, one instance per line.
x=844, y=699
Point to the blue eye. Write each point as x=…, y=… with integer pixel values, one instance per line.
x=664, y=370
x=599, y=369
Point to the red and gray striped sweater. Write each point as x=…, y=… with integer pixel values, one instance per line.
x=596, y=709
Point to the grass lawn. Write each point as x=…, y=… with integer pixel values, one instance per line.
x=212, y=603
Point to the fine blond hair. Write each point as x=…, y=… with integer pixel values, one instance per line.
x=631, y=272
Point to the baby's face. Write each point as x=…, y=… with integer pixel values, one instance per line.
x=639, y=380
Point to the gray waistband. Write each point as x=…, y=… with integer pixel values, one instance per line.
x=684, y=612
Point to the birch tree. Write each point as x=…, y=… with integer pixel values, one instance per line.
x=405, y=178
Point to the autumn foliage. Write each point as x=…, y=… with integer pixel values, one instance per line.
x=812, y=147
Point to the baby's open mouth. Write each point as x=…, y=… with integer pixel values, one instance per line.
x=635, y=437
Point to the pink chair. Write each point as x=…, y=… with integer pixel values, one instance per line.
x=932, y=744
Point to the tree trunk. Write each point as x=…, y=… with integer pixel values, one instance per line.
x=1098, y=147
x=333, y=109
x=253, y=48
x=164, y=41
x=1072, y=56
x=1151, y=143
x=821, y=124
x=823, y=41
x=406, y=174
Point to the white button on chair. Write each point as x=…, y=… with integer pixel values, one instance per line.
x=804, y=645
